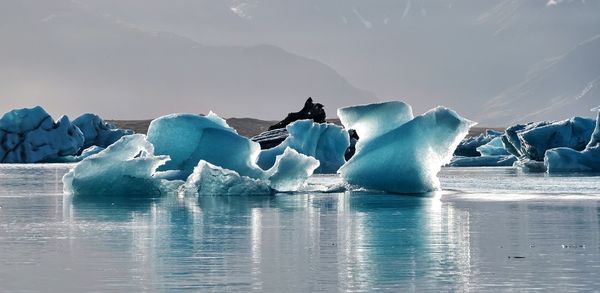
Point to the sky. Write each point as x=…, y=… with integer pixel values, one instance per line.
x=498, y=62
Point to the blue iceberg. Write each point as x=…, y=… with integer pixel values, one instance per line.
x=97, y=132
x=404, y=159
x=570, y=160
x=324, y=141
x=531, y=141
x=31, y=136
x=189, y=138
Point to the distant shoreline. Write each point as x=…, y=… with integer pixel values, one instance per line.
x=250, y=127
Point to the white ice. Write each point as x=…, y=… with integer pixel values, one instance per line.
x=208, y=179
x=493, y=148
x=126, y=167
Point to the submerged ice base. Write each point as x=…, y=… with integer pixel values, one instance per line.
x=407, y=158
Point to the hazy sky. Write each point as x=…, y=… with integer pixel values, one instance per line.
x=497, y=61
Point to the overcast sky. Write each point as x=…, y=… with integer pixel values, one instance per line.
x=497, y=61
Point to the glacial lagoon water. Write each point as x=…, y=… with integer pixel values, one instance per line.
x=491, y=229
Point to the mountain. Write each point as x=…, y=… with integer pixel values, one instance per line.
x=461, y=54
x=568, y=83
x=70, y=59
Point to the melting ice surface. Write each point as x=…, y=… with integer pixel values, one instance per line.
x=465, y=238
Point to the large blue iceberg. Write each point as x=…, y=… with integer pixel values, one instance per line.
x=98, y=132
x=405, y=158
x=570, y=160
x=324, y=141
x=31, y=136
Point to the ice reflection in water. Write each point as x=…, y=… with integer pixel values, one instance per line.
x=302, y=242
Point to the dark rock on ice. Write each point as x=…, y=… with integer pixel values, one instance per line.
x=312, y=111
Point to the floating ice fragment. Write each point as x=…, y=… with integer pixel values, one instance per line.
x=493, y=148
x=405, y=159
x=208, y=179
x=324, y=141
x=290, y=171
x=126, y=167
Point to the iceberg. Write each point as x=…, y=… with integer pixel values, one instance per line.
x=483, y=161
x=404, y=159
x=324, y=141
x=208, y=179
x=531, y=141
x=128, y=166
x=468, y=146
x=189, y=138
x=30, y=135
x=564, y=159
x=97, y=132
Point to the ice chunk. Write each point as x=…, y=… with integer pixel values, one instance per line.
x=98, y=132
x=570, y=160
x=189, y=138
x=324, y=141
x=532, y=140
x=483, y=161
x=31, y=136
x=373, y=120
x=126, y=167
x=468, y=146
x=493, y=148
x=208, y=179
x=290, y=171
x=407, y=158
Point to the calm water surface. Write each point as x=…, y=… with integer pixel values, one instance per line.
x=492, y=229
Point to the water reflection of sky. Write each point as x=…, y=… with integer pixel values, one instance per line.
x=303, y=242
